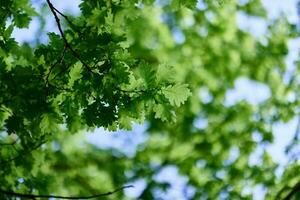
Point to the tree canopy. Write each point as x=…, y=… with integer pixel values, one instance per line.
x=167, y=64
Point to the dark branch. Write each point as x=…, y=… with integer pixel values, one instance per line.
x=32, y=196
x=291, y=147
x=68, y=45
x=295, y=190
x=297, y=131
x=278, y=195
x=68, y=20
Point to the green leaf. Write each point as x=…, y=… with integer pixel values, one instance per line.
x=176, y=94
x=8, y=31
x=164, y=113
x=22, y=20
x=125, y=122
x=75, y=74
x=165, y=74
x=148, y=74
x=49, y=123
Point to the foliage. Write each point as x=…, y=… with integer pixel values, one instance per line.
x=119, y=63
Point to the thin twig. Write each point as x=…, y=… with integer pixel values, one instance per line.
x=68, y=20
x=290, y=147
x=68, y=45
x=281, y=191
x=296, y=135
x=32, y=196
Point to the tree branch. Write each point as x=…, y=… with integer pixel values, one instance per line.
x=289, y=149
x=32, y=196
x=68, y=45
x=68, y=20
x=297, y=131
x=295, y=190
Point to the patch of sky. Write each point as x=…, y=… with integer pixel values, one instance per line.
x=283, y=135
x=30, y=34
x=125, y=141
x=242, y=2
x=256, y=157
x=204, y=95
x=233, y=155
x=162, y=3
x=291, y=58
x=168, y=19
x=224, y=195
x=221, y=174
x=139, y=5
x=21, y=180
x=248, y=90
x=178, y=35
x=66, y=6
x=210, y=16
x=259, y=192
x=203, y=31
x=201, y=163
x=257, y=137
x=55, y=146
x=255, y=25
x=276, y=7
x=200, y=123
x=188, y=20
x=136, y=191
x=201, y=5
x=247, y=190
x=27, y=35
x=178, y=184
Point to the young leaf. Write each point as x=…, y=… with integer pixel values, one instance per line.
x=48, y=123
x=164, y=113
x=176, y=94
x=165, y=74
x=75, y=73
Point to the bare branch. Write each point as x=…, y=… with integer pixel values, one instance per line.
x=291, y=147
x=68, y=45
x=32, y=196
x=297, y=131
x=295, y=190
x=68, y=20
